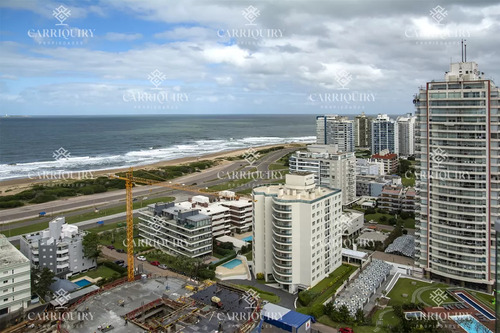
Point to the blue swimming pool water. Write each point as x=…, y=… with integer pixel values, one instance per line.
x=470, y=324
x=476, y=306
x=247, y=239
x=232, y=264
x=83, y=283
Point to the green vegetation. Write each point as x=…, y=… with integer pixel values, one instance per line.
x=118, y=238
x=276, y=166
x=192, y=267
x=318, y=294
x=100, y=271
x=90, y=245
x=485, y=298
x=408, y=180
x=383, y=217
x=41, y=279
x=84, y=217
x=228, y=185
x=264, y=295
x=221, y=250
x=56, y=189
x=363, y=153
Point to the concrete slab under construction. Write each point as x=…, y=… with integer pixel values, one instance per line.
x=109, y=307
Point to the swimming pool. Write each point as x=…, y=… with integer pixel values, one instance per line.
x=82, y=283
x=232, y=264
x=247, y=239
x=478, y=307
x=470, y=324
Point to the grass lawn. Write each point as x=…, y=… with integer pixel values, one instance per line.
x=264, y=295
x=249, y=255
x=407, y=223
x=112, y=226
x=329, y=285
x=246, y=191
x=389, y=318
x=408, y=181
x=84, y=216
x=100, y=271
x=404, y=286
x=277, y=166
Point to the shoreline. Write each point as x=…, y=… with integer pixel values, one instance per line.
x=17, y=185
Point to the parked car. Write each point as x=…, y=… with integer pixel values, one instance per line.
x=111, y=247
x=119, y=262
x=155, y=263
x=163, y=266
x=120, y=250
x=141, y=258
x=346, y=330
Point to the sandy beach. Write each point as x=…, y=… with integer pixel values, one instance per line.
x=14, y=186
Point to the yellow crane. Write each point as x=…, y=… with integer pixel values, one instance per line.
x=130, y=179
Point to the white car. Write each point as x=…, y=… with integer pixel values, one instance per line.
x=141, y=258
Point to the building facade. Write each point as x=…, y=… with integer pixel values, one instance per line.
x=396, y=198
x=406, y=135
x=297, y=232
x=330, y=167
x=457, y=153
x=15, y=279
x=388, y=160
x=384, y=135
x=363, y=131
x=335, y=130
x=372, y=186
x=59, y=248
x=367, y=167
x=176, y=230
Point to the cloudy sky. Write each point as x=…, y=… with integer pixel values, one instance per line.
x=206, y=57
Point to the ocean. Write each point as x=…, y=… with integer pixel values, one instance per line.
x=35, y=145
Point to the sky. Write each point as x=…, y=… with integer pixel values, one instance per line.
x=230, y=57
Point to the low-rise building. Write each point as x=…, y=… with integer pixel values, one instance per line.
x=366, y=167
x=15, y=279
x=397, y=197
x=352, y=222
x=390, y=161
x=59, y=248
x=371, y=186
x=176, y=230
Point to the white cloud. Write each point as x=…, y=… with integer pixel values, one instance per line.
x=116, y=36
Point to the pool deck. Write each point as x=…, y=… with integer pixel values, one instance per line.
x=239, y=272
x=91, y=280
x=490, y=324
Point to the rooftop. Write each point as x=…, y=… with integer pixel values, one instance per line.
x=9, y=254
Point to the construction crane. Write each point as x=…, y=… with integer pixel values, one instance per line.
x=129, y=183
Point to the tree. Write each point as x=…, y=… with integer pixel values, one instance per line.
x=345, y=316
x=383, y=218
x=41, y=279
x=90, y=245
x=359, y=316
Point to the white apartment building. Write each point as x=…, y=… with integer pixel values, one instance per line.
x=362, y=131
x=176, y=230
x=230, y=214
x=365, y=167
x=384, y=135
x=297, y=232
x=15, y=278
x=330, y=167
x=406, y=135
x=335, y=130
x=352, y=222
x=58, y=248
x=458, y=191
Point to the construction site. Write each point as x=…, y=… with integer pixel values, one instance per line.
x=152, y=304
